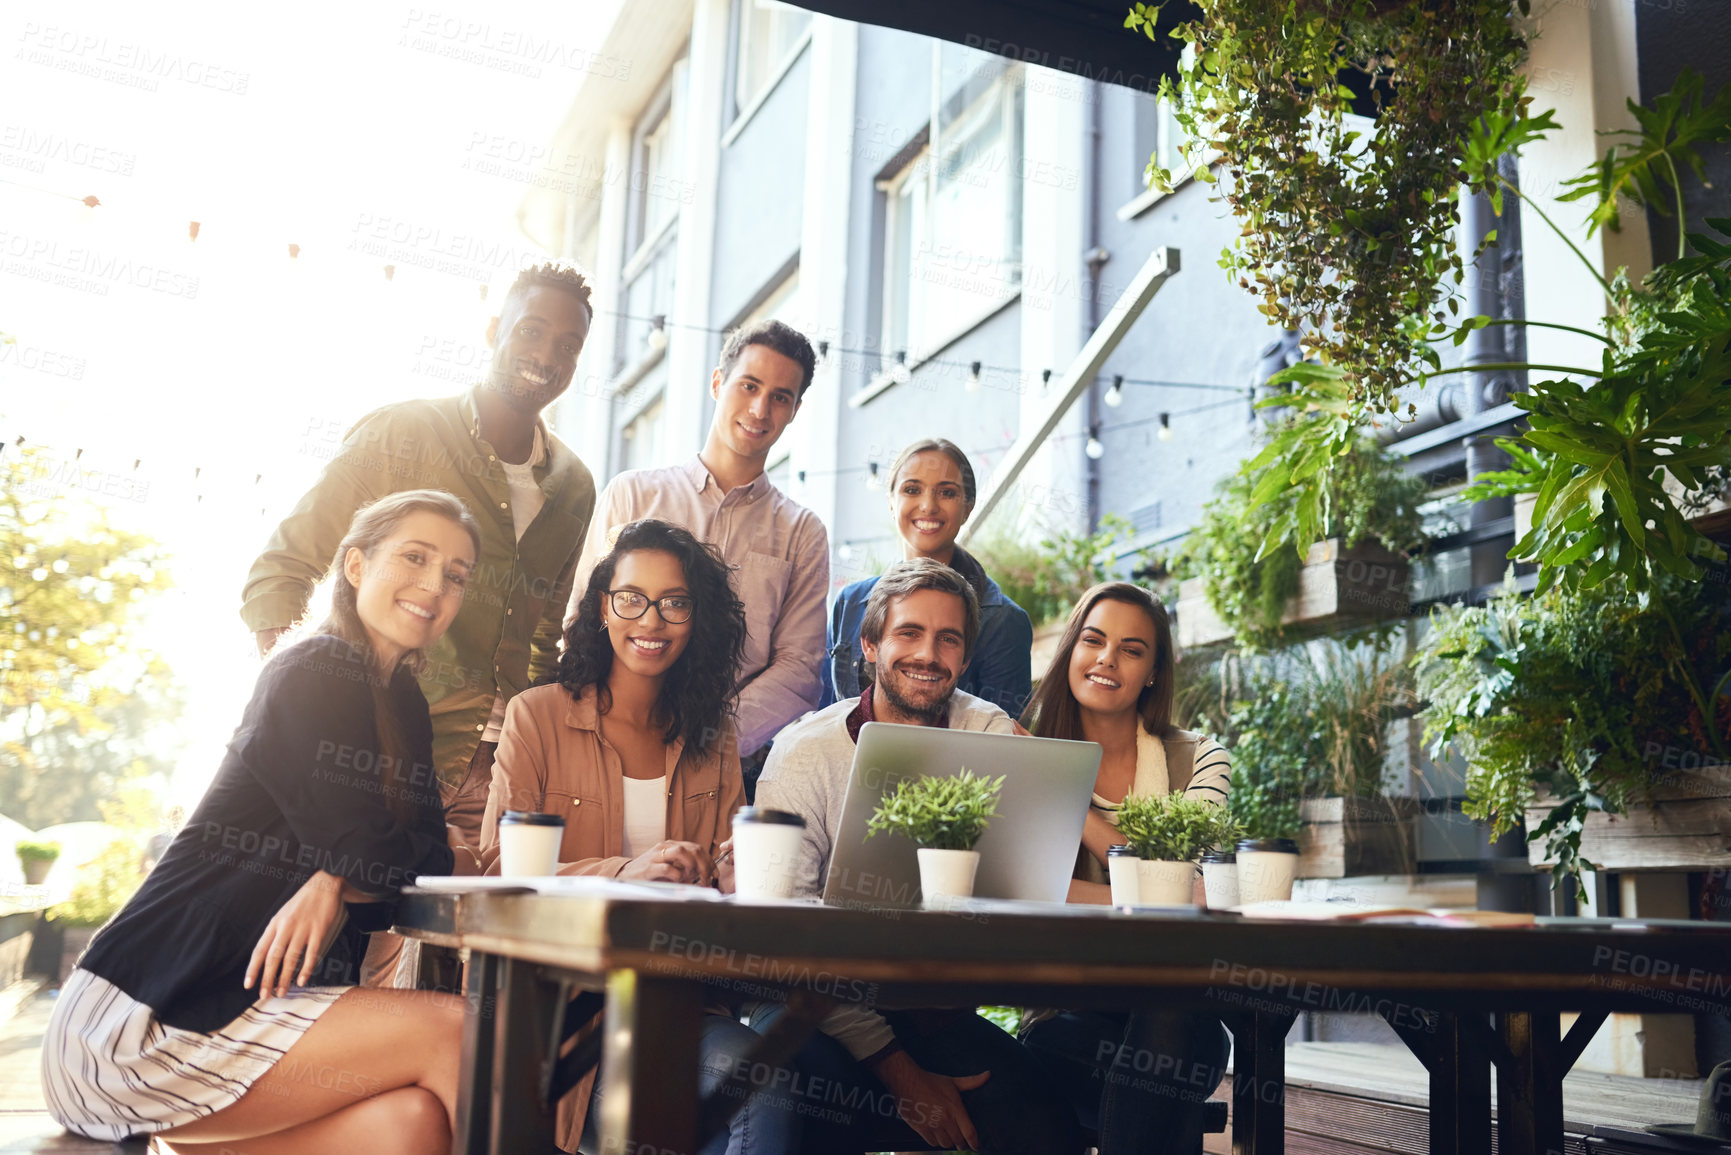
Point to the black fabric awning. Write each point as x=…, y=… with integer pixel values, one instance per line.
x=1083, y=37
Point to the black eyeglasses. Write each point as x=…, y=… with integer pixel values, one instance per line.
x=675, y=609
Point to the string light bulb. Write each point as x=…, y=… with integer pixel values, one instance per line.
x=1094, y=449
x=973, y=385
x=873, y=482
x=1165, y=433
x=899, y=374
x=657, y=338
x=1115, y=395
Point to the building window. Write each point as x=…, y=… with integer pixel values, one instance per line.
x=651, y=229
x=1159, y=138
x=953, y=223
x=767, y=32
x=644, y=438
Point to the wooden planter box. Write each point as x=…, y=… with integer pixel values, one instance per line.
x=1348, y=837
x=1338, y=588
x=1688, y=826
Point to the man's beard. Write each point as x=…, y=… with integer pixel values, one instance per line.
x=933, y=715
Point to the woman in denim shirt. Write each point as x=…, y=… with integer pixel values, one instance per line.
x=931, y=497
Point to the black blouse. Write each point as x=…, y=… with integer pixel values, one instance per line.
x=302, y=788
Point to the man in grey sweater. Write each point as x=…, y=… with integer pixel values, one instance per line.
x=933, y=1078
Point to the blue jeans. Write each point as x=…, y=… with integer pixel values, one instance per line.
x=846, y=1108
x=766, y=1125
x=1138, y=1079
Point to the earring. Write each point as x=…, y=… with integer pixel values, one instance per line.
x=601, y=626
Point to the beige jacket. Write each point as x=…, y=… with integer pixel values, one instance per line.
x=553, y=759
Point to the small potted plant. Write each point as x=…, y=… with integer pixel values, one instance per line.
x=1268, y=852
x=38, y=859
x=944, y=818
x=1169, y=832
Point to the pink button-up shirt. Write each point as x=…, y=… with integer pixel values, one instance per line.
x=778, y=551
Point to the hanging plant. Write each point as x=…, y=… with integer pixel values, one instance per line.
x=1348, y=231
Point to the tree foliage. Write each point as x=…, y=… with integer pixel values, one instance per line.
x=80, y=701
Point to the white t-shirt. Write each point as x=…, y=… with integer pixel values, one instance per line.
x=526, y=502
x=645, y=814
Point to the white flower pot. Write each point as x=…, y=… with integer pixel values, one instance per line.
x=1161, y=883
x=1220, y=884
x=946, y=875
x=1266, y=868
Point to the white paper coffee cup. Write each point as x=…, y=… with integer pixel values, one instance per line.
x=1266, y=868
x=766, y=846
x=1121, y=867
x=529, y=843
x=1220, y=880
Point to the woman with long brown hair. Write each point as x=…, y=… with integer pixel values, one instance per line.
x=931, y=497
x=218, y=1009
x=1140, y=1079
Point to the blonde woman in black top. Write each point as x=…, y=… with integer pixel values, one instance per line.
x=218, y=1009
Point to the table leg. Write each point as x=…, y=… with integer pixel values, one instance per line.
x=521, y=1119
x=1530, y=1085
x=1259, y=1083
x=1460, y=1085
x=474, y=1097
x=649, y=1062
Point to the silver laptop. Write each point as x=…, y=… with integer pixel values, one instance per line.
x=1027, y=852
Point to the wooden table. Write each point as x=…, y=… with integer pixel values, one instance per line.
x=1464, y=999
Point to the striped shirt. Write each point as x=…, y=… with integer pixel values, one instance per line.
x=1211, y=780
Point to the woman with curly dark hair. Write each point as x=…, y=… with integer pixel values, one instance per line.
x=633, y=746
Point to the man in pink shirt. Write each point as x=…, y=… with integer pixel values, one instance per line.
x=777, y=549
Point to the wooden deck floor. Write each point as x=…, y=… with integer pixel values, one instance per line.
x=1359, y=1098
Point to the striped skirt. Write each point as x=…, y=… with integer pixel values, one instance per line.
x=110, y=1070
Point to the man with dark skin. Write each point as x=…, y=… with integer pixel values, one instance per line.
x=533, y=498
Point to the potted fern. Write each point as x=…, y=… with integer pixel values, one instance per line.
x=1169, y=832
x=38, y=859
x=944, y=818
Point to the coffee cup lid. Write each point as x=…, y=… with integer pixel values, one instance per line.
x=1274, y=845
x=1219, y=857
x=530, y=818
x=1121, y=850
x=763, y=814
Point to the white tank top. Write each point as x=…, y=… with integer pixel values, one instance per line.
x=645, y=814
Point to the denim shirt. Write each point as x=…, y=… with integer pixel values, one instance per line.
x=1000, y=670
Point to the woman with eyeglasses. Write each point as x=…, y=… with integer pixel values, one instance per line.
x=634, y=747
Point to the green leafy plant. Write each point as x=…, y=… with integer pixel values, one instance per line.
x=1611, y=465
x=1263, y=811
x=1173, y=828
x=1048, y=579
x=948, y=813
x=1348, y=231
x=1234, y=547
x=1585, y=696
x=37, y=851
x=102, y=886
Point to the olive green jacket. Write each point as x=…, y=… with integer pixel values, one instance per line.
x=507, y=633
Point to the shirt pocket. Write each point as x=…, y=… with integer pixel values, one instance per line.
x=761, y=583
x=585, y=828
x=700, y=816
